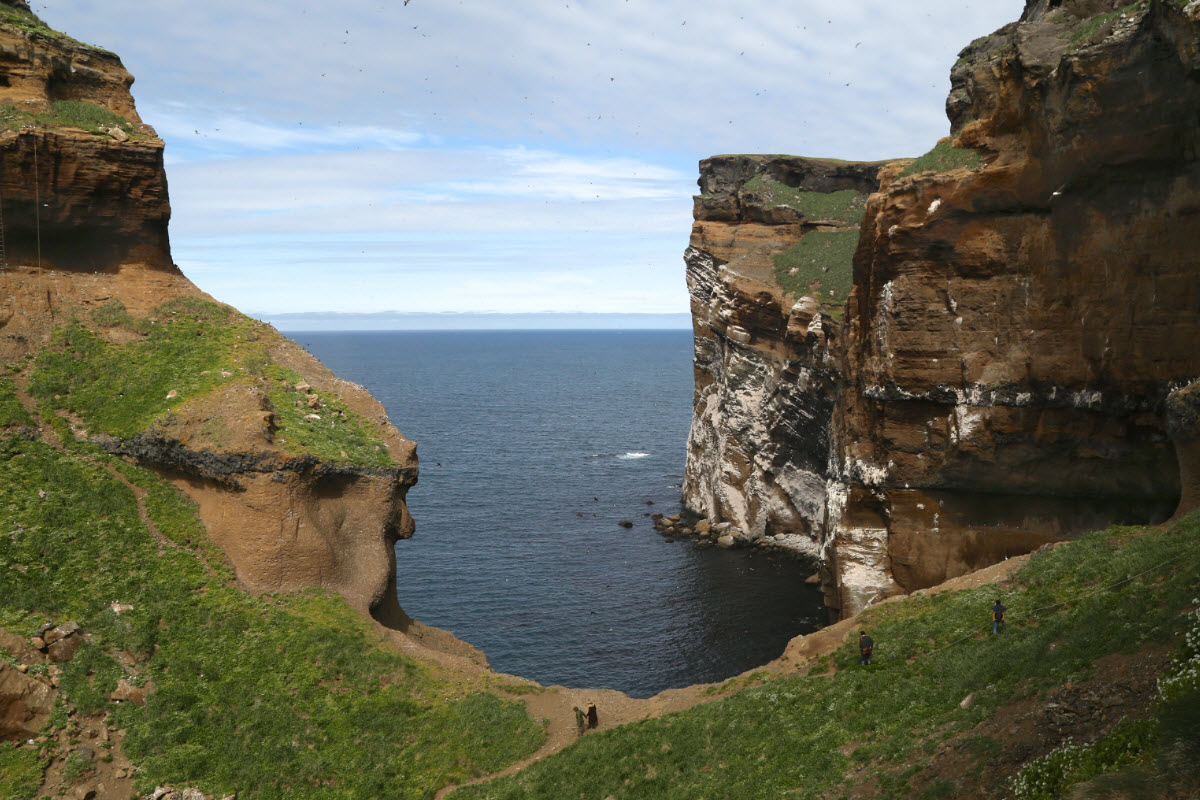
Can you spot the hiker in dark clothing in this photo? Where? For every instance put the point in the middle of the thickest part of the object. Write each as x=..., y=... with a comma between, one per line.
x=865, y=645
x=580, y=720
x=593, y=719
x=998, y=616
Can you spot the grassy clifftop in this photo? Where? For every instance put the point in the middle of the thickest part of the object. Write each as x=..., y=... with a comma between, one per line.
x=272, y=697
x=118, y=375
x=297, y=696
x=934, y=715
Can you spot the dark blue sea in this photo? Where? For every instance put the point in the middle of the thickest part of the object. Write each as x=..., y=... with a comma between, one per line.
x=533, y=446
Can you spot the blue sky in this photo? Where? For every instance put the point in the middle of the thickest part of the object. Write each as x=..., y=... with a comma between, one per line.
x=365, y=156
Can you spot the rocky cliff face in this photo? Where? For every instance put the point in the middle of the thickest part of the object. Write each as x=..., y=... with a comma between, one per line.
x=88, y=274
x=71, y=198
x=1023, y=301
x=759, y=445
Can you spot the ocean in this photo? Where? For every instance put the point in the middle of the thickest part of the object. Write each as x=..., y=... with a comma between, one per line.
x=533, y=447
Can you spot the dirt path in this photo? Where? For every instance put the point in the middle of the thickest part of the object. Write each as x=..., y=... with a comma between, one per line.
x=554, y=705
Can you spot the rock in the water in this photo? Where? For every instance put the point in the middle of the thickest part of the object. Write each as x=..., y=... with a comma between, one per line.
x=625, y=523
x=725, y=541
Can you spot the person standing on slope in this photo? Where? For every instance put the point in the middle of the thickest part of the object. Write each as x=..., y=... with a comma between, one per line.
x=998, y=616
x=580, y=720
x=593, y=719
x=865, y=645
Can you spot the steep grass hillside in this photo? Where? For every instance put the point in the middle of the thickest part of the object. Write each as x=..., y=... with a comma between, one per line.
x=291, y=695
x=946, y=709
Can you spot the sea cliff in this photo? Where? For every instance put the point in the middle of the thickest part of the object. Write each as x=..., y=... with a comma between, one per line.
x=197, y=518
x=88, y=266
x=1023, y=299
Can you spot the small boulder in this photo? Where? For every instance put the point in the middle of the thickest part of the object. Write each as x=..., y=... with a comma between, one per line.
x=625, y=523
x=725, y=541
x=703, y=526
x=128, y=693
x=118, y=135
x=64, y=649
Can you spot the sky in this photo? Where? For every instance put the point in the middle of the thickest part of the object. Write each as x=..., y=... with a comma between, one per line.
x=473, y=156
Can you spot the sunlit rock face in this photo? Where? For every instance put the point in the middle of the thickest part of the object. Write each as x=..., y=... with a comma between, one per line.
x=85, y=214
x=759, y=447
x=74, y=199
x=1014, y=328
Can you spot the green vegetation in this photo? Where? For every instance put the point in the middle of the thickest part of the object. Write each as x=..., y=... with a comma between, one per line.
x=183, y=350
x=113, y=314
x=1049, y=777
x=11, y=412
x=1092, y=25
x=30, y=23
x=70, y=114
x=736, y=683
x=1147, y=755
x=20, y=772
x=845, y=207
x=338, y=435
x=122, y=389
x=287, y=696
x=1113, y=591
x=820, y=264
x=942, y=158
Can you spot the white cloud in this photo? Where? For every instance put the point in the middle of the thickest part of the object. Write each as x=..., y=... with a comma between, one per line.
x=467, y=190
x=573, y=126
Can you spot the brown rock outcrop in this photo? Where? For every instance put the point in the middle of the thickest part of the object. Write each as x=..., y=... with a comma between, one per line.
x=1183, y=423
x=1016, y=323
x=85, y=214
x=25, y=704
x=758, y=449
x=72, y=199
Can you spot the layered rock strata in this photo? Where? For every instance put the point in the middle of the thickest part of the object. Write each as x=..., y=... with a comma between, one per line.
x=1019, y=313
x=73, y=199
x=758, y=450
x=85, y=210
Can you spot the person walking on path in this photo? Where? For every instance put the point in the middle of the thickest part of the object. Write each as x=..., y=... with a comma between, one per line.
x=865, y=645
x=580, y=720
x=998, y=616
x=593, y=719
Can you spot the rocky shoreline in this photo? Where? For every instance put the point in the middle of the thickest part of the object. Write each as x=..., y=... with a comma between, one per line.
x=706, y=534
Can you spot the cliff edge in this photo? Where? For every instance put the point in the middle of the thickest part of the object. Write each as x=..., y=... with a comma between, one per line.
x=299, y=477
x=1024, y=298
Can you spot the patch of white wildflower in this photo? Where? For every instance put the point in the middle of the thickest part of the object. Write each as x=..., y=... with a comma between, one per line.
x=1049, y=777
x=1183, y=674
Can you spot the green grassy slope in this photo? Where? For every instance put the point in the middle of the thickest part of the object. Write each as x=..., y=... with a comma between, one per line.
x=820, y=264
x=280, y=696
x=192, y=348
x=820, y=736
